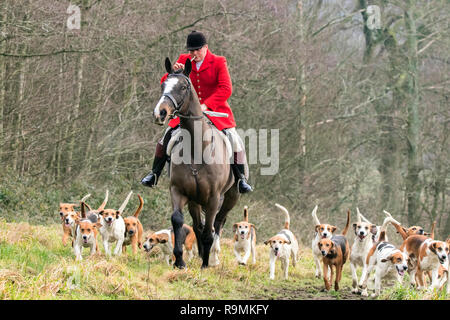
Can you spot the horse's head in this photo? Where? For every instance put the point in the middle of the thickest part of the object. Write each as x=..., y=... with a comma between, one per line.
x=175, y=92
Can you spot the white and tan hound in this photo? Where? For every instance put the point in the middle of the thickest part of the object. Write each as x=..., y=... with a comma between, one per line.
x=283, y=246
x=166, y=238
x=244, y=240
x=113, y=227
x=428, y=255
x=388, y=262
x=365, y=235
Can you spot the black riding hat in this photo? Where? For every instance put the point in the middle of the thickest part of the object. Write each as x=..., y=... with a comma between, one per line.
x=195, y=40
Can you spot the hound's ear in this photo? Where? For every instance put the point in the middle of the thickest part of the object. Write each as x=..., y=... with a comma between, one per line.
x=163, y=238
x=253, y=226
x=187, y=67
x=354, y=226
x=168, y=65
x=101, y=213
x=235, y=227
x=317, y=227
x=287, y=241
x=117, y=213
x=433, y=247
x=386, y=259
x=98, y=225
x=373, y=229
x=333, y=229
x=267, y=241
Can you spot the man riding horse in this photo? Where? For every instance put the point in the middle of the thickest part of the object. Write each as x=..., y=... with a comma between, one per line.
x=212, y=83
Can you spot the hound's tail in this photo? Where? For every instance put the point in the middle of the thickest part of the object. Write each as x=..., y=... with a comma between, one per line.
x=103, y=205
x=314, y=215
x=141, y=204
x=383, y=228
x=246, y=214
x=347, y=225
x=287, y=219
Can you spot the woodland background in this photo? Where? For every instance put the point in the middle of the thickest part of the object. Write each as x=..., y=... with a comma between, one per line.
x=363, y=113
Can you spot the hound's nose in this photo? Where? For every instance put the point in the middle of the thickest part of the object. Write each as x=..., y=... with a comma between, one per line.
x=67, y=220
x=421, y=231
x=242, y=232
x=61, y=213
x=84, y=237
x=405, y=268
x=361, y=233
x=444, y=257
x=131, y=232
x=324, y=253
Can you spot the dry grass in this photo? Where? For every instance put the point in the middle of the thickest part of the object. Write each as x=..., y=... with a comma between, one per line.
x=35, y=265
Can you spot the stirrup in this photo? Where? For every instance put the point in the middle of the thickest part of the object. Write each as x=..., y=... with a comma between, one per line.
x=150, y=180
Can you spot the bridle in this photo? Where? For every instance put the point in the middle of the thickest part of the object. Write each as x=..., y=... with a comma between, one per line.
x=176, y=104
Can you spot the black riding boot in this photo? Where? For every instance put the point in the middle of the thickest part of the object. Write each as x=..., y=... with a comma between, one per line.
x=151, y=179
x=239, y=173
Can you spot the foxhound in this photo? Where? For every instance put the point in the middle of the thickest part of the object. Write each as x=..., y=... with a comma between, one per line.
x=68, y=215
x=428, y=255
x=166, y=239
x=113, y=227
x=85, y=234
x=322, y=231
x=244, y=239
x=134, y=232
x=388, y=262
x=335, y=252
x=283, y=246
x=365, y=234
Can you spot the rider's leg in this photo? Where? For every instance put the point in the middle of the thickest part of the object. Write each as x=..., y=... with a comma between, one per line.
x=239, y=160
x=151, y=179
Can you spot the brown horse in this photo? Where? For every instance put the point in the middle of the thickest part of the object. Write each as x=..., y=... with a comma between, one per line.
x=203, y=185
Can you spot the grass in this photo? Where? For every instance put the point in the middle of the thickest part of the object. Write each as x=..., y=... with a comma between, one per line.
x=35, y=265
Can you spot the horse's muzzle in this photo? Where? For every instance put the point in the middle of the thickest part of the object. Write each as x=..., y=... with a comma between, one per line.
x=159, y=119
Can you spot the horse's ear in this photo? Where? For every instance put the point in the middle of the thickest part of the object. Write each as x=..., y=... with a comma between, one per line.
x=187, y=68
x=168, y=65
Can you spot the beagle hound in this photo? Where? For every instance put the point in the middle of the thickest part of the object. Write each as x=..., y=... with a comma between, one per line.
x=166, y=239
x=85, y=234
x=244, y=239
x=428, y=255
x=365, y=234
x=113, y=227
x=335, y=252
x=283, y=246
x=134, y=232
x=68, y=215
x=388, y=261
x=322, y=231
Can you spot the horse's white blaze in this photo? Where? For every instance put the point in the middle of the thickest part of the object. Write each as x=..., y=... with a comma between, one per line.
x=170, y=84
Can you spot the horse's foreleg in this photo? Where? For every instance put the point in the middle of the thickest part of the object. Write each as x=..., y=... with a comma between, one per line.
x=207, y=236
x=196, y=212
x=177, y=219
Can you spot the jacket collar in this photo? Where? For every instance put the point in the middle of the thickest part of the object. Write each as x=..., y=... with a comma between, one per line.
x=209, y=59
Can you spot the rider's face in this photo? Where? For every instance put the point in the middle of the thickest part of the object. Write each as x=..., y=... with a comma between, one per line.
x=199, y=54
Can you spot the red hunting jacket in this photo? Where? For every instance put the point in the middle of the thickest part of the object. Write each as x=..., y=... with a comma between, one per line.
x=213, y=86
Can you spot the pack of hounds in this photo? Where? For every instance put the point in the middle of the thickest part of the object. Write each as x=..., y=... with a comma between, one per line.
x=420, y=255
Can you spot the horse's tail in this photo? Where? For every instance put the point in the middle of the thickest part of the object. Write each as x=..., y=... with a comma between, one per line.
x=287, y=219
x=246, y=214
